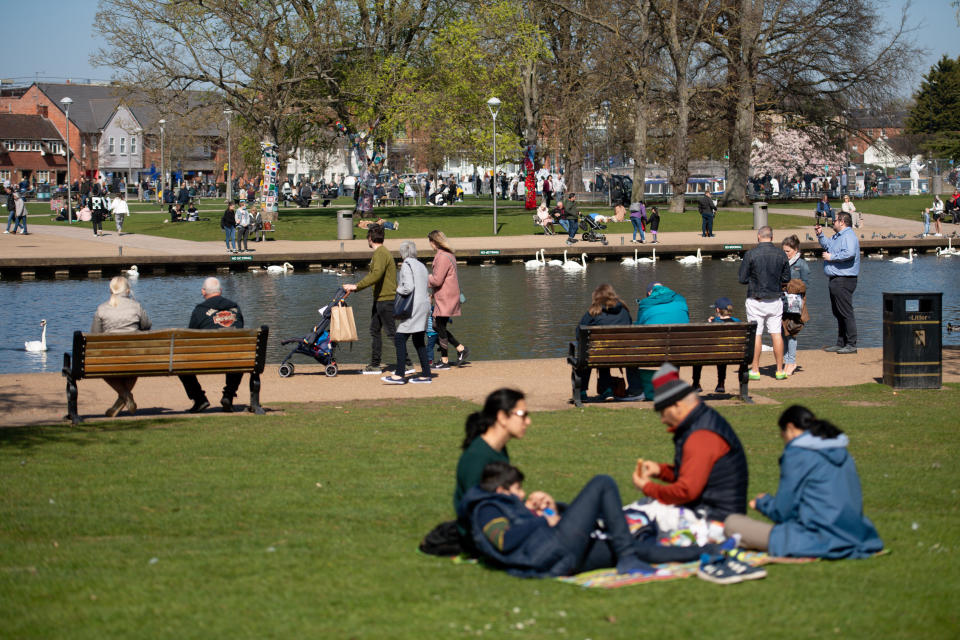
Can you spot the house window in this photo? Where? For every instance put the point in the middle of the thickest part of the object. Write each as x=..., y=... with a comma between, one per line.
x=36, y=145
x=4, y=175
x=43, y=176
x=23, y=145
x=133, y=145
x=111, y=145
x=123, y=145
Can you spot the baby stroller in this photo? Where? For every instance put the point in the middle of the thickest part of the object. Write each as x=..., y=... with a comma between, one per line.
x=315, y=344
x=593, y=230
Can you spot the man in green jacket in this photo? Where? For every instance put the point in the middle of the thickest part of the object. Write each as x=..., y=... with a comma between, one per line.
x=383, y=279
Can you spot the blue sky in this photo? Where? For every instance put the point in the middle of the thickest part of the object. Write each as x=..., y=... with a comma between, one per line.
x=53, y=39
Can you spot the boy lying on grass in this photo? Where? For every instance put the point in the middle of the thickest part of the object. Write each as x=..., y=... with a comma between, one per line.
x=526, y=536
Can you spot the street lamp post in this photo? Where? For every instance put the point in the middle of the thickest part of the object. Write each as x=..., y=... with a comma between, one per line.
x=606, y=161
x=136, y=134
x=229, y=181
x=66, y=101
x=163, y=175
x=494, y=105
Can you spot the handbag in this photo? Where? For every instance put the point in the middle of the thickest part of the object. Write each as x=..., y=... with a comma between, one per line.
x=342, y=325
x=403, y=302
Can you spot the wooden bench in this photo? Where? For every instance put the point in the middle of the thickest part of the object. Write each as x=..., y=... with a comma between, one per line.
x=168, y=352
x=704, y=343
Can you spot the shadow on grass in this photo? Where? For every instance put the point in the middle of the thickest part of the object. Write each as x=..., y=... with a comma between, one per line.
x=34, y=436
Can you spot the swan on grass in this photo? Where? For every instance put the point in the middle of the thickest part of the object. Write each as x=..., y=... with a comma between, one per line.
x=283, y=269
x=697, y=259
x=558, y=263
x=41, y=344
x=649, y=259
x=132, y=272
x=537, y=262
x=630, y=262
x=901, y=259
x=573, y=265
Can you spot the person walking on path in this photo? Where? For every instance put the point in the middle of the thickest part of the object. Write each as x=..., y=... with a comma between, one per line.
x=841, y=265
x=383, y=278
x=446, y=297
x=12, y=211
x=708, y=209
x=99, y=210
x=765, y=270
x=20, y=211
x=215, y=312
x=570, y=219
x=120, y=211
x=412, y=280
x=228, y=222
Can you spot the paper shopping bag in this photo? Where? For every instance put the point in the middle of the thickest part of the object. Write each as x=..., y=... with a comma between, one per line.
x=342, y=326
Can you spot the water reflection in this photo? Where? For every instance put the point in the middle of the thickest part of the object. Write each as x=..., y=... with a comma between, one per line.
x=511, y=312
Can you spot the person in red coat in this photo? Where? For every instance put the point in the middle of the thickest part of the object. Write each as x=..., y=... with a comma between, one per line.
x=446, y=299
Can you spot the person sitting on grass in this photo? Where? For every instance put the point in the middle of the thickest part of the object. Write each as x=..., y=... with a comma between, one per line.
x=818, y=509
x=527, y=537
x=386, y=224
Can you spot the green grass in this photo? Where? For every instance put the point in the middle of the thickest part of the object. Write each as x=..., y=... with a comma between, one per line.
x=305, y=525
x=467, y=219
x=903, y=207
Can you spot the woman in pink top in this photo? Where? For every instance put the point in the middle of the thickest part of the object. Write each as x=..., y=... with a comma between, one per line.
x=446, y=298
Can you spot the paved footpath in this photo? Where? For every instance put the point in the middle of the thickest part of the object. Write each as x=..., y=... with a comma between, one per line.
x=40, y=398
x=64, y=241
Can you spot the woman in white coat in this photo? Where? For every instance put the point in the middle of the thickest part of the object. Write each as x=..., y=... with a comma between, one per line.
x=412, y=279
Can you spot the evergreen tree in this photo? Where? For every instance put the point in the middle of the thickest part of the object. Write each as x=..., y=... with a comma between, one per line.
x=936, y=112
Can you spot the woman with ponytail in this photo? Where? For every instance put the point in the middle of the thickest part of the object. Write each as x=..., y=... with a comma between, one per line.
x=818, y=509
x=504, y=416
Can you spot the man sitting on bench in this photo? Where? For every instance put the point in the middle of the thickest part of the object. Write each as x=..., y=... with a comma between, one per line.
x=824, y=209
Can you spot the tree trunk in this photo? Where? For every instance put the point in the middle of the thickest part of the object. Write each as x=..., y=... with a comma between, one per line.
x=680, y=158
x=639, y=146
x=531, y=103
x=741, y=141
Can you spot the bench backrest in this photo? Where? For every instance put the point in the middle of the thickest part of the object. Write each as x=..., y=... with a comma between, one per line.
x=652, y=345
x=169, y=352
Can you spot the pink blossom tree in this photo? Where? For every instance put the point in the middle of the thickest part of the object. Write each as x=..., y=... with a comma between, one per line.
x=792, y=151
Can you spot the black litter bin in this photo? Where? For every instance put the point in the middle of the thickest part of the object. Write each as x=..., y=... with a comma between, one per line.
x=912, y=340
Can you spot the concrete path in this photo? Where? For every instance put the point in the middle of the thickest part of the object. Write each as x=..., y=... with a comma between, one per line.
x=39, y=398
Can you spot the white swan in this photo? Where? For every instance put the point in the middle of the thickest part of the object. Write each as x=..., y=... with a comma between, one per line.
x=557, y=263
x=733, y=257
x=132, y=272
x=275, y=269
x=949, y=251
x=901, y=259
x=573, y=265
x=630, y=262
x=650, y=259
x=944, y=253
x=38, y=345
x=697, y=259
x=537, y=261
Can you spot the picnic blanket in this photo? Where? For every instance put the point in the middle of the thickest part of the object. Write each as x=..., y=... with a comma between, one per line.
x=610, y=579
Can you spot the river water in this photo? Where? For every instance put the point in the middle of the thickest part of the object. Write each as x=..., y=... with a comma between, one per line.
x=511, y=312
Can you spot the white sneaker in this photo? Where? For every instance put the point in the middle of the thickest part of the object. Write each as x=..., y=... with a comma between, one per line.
x=6, y=232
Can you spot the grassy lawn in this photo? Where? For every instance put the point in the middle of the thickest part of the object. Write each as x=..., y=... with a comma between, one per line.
x=903, y=207
x=467, y=219
x=306, y=525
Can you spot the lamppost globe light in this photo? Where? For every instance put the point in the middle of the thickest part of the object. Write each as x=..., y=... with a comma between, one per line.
x=494, y=105
x=66, y=101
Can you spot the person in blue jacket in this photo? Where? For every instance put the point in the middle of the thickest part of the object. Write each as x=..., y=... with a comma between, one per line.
x=661, y=306
x=818, y=509
x=606, y=308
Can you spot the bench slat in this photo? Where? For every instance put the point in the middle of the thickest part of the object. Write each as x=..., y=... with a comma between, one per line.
x=106, y=370
x=248, y=354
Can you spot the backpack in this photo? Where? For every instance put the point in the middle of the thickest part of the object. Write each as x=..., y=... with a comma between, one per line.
x=443, y=540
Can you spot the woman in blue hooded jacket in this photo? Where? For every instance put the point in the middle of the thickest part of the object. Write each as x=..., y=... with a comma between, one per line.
x=818, y=509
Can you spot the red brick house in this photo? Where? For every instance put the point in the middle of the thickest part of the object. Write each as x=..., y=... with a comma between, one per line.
x=31, y=149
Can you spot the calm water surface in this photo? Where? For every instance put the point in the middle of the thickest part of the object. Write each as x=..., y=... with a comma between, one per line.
x=511, y=312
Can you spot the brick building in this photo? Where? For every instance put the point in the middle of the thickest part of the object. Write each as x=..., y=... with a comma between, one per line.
x=31, y=150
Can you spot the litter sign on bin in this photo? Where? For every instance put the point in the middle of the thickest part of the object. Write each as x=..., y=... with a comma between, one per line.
x=912, y=341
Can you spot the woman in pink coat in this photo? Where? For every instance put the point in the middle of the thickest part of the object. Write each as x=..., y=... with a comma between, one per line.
x=446, y=299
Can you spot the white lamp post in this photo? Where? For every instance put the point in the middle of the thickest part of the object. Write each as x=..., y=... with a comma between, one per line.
x=66, y=101
x=229, y=113
x=163, y=175
x=494, y=105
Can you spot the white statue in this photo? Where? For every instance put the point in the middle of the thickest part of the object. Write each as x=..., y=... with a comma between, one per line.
x=915, y=168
